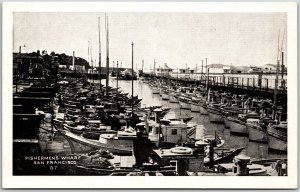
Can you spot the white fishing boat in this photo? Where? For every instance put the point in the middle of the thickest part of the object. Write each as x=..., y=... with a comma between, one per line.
x=202, y=109
x=184, y=105
x=155, y=91
x=257, y=132
x=120, y=143
x=215, y=113
x=277, y=136
x=172, y=99
x=165, y=96
x=195, y=107
x=238, y=123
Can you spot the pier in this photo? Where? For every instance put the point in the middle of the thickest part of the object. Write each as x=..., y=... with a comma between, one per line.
x=250, y=84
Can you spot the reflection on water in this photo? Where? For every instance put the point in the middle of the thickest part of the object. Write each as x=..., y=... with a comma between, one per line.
x=144, y=91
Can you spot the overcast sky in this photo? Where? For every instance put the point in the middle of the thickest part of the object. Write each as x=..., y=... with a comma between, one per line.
x=240, y=39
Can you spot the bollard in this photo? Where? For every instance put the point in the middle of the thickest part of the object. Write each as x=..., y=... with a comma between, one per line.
x=241, y=162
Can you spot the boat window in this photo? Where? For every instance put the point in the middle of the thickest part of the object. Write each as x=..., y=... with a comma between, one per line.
x=174, y=132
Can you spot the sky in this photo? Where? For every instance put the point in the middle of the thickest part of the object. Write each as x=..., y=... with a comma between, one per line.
x=178, y=39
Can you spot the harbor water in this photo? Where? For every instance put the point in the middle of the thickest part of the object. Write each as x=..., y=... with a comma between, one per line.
x=144, y=91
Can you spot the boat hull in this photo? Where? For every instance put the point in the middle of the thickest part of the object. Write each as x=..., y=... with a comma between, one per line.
x=276, y=140
x=215, y=116
x=195, y=108
x=226, y=123
x=237, y=126
x=184, y=105
x=257, y=133
x=165, y=97
x=79, y=144
x=277, y=144
x=172, y=99
x=155, y=91
x=203, y=110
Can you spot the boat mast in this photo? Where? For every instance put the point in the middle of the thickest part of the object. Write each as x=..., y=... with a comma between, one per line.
x=177, y=77
x=207, y=71
x=73, y=63
x=99, y=55
x=201, y=70
x=132, y=79
x=154, y=67
x=185, y=74
x=107, y=55
x=276, y=78
x=92, y=63
x=88, y=53
x=117, y=77
x=282, y=63
x=196, y=74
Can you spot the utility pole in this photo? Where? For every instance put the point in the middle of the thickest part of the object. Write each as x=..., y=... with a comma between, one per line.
x=132, y=79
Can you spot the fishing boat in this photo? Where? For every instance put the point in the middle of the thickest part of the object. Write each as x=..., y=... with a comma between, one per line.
x=257, y=133
x=277, y=136
x=172, y=98
x=238, y=124
x=258, y=129
x=203, y=108
x=155, y=91
x=195, y=107
x=165, y=96
x=215, y=113
x=128, y=75
x=120, y=143
x=184, y=102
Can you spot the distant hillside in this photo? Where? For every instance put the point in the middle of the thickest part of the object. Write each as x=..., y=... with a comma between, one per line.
x=39, y=62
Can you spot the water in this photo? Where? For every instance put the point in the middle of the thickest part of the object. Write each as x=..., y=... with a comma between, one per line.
x=144, y=91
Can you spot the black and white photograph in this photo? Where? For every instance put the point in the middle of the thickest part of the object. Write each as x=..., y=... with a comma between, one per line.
x=194, y=93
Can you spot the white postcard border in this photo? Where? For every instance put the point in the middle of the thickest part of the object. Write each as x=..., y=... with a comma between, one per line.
x=10, y=181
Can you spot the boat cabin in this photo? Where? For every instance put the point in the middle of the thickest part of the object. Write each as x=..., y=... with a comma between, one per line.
x=174, y=133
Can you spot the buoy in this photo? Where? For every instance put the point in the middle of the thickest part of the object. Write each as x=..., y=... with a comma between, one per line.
x=181, y=150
